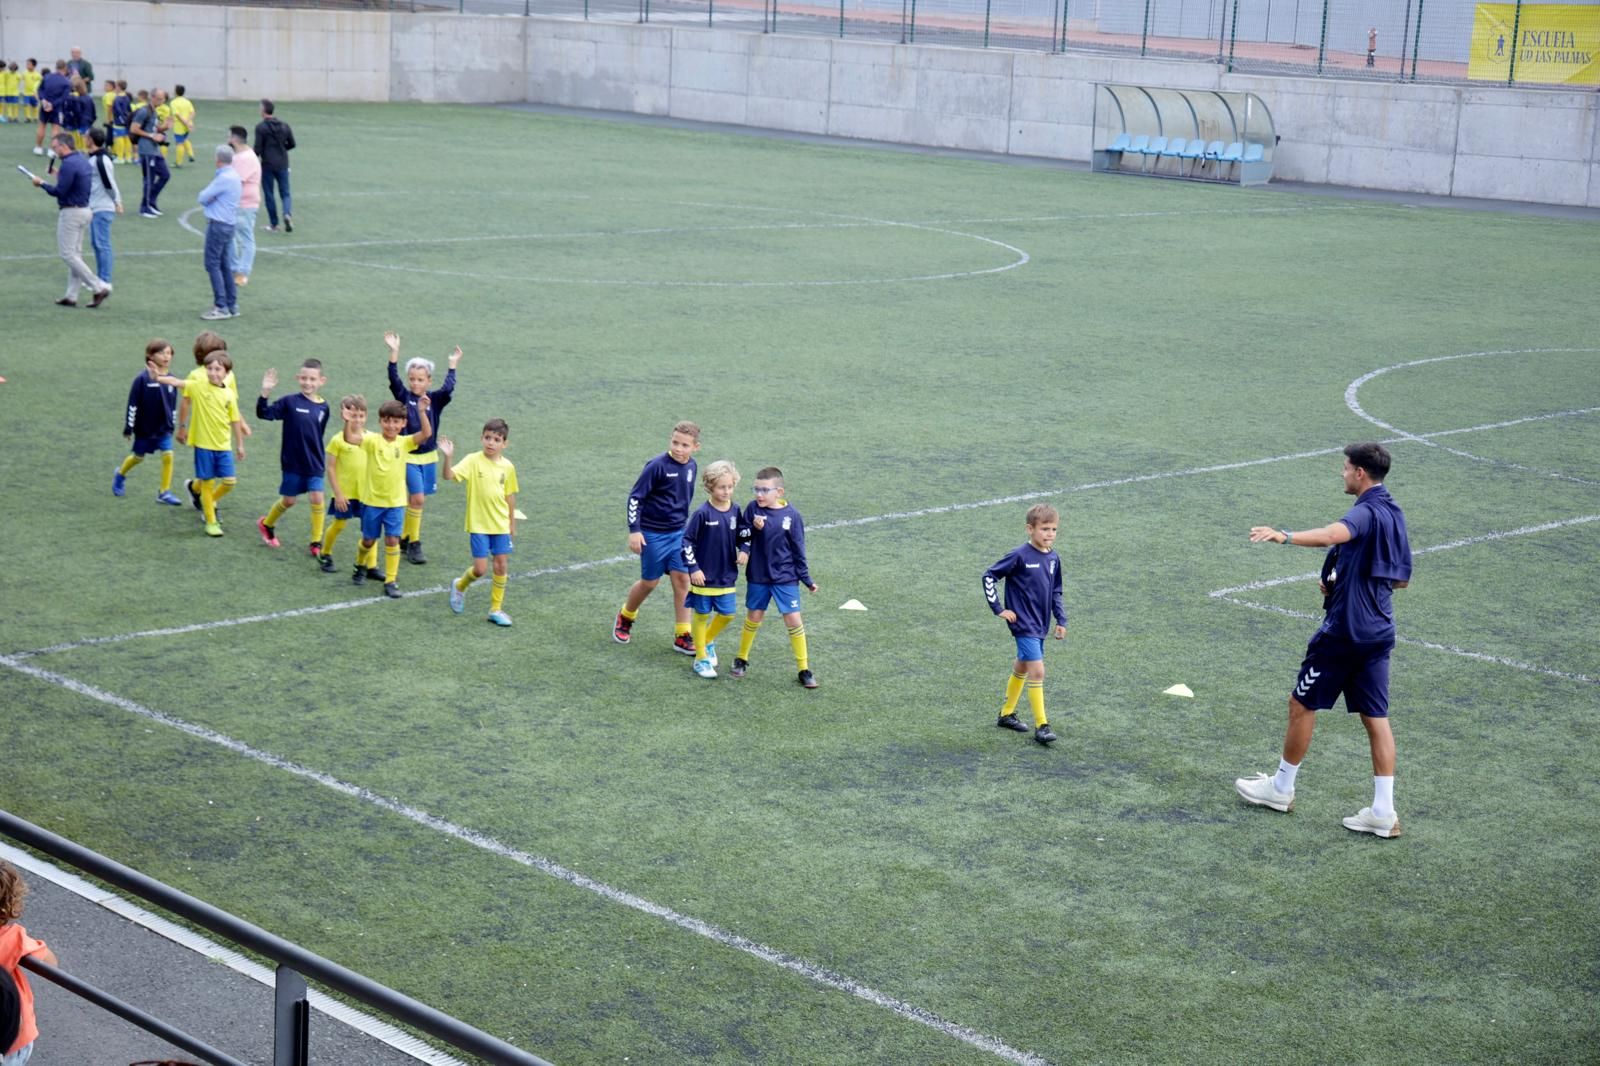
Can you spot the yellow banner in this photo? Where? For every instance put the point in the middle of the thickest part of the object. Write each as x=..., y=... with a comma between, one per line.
x=1550, y=44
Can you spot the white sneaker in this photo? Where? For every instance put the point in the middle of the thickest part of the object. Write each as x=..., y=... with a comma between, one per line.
x=1259, y=791
x=1366, y=822
x=458, y=599
x=215, y=314
x=703, y=668
x=711, y=653
x=38, y=151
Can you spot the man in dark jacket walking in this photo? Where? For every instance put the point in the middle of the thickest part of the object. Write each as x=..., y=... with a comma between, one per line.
x=274, y=142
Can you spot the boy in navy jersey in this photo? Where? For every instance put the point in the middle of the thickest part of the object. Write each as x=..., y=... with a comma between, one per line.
x=422, y=465
x=149, y=422
x=1032, y=574
x=658, y=506
x=303, y=458
x=711, y=553
x=776, y=570
x=1349, y=653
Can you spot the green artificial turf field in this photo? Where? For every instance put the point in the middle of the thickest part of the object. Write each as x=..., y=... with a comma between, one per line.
x=870, y=872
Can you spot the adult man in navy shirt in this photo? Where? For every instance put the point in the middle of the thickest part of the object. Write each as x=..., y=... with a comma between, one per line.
x=1349, y=653
x=71, y=191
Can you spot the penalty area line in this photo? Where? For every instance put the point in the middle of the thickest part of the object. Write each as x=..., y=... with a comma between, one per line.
x=783, y=960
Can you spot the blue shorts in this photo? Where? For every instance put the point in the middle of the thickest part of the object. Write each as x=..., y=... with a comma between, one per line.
x=381, y=522
x=1334, y=666
x=487, y=544
x=31, y=101
x=179, y=138
x=700, y=603
x=119, y=131
x=423, y=478
x=209, y=464
x=661, y=552
x=1030, y=649
x=299, y=484
x=353, y=511
x=757, y=596
x=151, y=445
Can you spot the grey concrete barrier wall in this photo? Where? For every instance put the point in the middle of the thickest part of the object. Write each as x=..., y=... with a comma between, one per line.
x=1512, y=144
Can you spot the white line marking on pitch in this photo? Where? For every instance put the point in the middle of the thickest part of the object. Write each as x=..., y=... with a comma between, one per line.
x=358, y=1020
x=1353, y=402
x=1229, y=595
x=783, y=960
x=842, y=523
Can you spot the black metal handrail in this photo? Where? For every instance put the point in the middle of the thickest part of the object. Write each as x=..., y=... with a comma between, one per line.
x=293, y=961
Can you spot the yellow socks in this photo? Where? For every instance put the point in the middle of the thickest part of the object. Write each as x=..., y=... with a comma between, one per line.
x=797, y=640
x=629, y=615
x=1013, y=693
x=208, y=501
x=747, y=639
x=718, y=624
x=130, y=462
x=369, y=556
x=698, y=625
x=319, y=517
x=680, y=628
x=411, y=529
x=465, y=580
x=497, y=592
x=220, y=488
x=166, y=471
x=1036, y=701
x=275, y=512
x=391, y=562
x=334, y=529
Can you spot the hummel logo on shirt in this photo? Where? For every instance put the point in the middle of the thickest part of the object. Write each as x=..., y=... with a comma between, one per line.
x=1031, y=566
x=672, y=475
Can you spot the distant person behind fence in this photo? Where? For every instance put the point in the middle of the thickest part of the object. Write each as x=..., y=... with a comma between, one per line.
x=274, y=142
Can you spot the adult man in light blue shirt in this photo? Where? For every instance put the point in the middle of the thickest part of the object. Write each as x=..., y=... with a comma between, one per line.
x=221, y=202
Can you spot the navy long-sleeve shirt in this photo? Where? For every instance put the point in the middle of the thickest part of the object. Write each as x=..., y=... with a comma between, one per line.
x=711, y=545
x=304, y=422
x=55, y=88
x=150, y=408
x=73, y=181
x=659, y=500
x=778, y=549
x=439, y=398
x=1033, y=590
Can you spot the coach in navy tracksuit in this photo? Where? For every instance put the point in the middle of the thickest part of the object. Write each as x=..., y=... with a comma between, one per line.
x=54, y=89
x=71, y=190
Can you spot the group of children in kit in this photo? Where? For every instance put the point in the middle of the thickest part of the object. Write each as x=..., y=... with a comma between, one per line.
x=701, y=555
x=378, y=480
x=19, y=102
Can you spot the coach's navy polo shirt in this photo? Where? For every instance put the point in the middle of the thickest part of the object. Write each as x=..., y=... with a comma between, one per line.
x=1377, y=555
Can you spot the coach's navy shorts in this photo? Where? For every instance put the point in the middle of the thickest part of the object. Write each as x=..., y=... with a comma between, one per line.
x=1334, y=666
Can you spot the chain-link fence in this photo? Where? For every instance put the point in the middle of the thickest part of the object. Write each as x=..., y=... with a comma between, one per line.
x=1513, y=43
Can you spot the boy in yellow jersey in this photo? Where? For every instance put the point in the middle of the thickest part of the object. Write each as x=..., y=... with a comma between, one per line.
x=491, y=483
x=108, y=99
x=164, y=125
x=182, y=125
x=31, y=77
x=347, y=469
x=10, y=88
x=383, y=490
x=215, y=424
x=205, y=342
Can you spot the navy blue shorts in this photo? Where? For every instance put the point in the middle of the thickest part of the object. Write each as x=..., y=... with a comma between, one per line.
x=151, y=445
x=1334, y=666
x=299, y=484
x=353, y=511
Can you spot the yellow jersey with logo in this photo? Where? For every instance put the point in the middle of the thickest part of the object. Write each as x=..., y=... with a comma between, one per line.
x=348, y=463
x=212, y=412
x=385, y=481
x=489, y=482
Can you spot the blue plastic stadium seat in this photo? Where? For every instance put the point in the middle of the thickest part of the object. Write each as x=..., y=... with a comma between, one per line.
x=1253, y=153
x=1234, y=153
x=1139, y=144
x=1194, y=152
x=1120, y=144
x=1155, y=148
x=1213, y=151
x=1176, y=146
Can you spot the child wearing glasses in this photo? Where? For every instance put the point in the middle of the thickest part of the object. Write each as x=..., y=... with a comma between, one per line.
x=776, y=570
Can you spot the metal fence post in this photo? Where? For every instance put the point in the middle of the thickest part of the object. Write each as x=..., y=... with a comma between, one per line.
x=1064, y=25
x=1144, y=31
x=1516, y=25
x=291, y=1040
x=1322, y=43
x=1416, y=46
x=988, y=5
x=1233, y=35
x=913, y=37
x=841, y=18
x=710, y=4
x=1405, y=32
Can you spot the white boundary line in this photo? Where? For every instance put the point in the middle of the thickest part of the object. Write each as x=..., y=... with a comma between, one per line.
x=358, y=1020
x=811, y=972
x=1228, y=595
x=843, y=523
x=1352, y=401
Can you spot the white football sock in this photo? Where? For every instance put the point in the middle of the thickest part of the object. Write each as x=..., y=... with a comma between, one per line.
x=1383, y=796
x=1283, y=780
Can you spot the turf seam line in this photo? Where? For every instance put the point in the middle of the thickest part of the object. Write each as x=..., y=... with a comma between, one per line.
x=212, y=951
x=783, y=960
x=844, y=523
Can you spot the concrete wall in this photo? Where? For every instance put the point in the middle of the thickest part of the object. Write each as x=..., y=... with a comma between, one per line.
x=1449, y=140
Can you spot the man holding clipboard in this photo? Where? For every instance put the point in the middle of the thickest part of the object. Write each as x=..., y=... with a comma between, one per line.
x=71, y=191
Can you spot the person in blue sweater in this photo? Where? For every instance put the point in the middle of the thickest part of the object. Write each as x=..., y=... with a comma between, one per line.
x=148, y=422
x=305, y=418
x=71, y=191
x=712, y=555
x=1032, y=576
x=658, y=506
x=776, y=546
